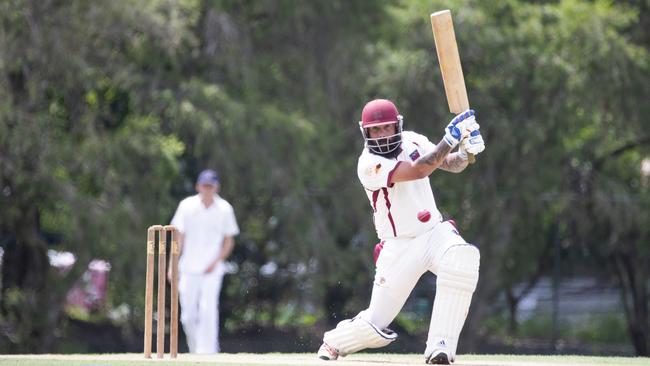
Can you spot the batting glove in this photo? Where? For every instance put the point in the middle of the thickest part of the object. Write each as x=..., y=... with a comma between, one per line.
x=458, y=128
x=472, y=144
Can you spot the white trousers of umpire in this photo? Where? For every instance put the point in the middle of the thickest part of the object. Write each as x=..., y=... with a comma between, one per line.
x=199, y=300
x=400, y=265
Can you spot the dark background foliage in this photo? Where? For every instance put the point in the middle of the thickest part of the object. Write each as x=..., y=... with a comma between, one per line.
x=108, y=110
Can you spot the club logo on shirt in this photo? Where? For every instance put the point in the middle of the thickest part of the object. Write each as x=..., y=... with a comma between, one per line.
x=373, y=169
x=414, y=155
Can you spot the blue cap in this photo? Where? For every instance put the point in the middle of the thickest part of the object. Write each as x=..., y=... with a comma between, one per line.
x=208, y=176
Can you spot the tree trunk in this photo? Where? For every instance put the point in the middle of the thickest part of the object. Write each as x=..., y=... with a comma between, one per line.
x=513, y=303
x=24, y=302
x=635, y=301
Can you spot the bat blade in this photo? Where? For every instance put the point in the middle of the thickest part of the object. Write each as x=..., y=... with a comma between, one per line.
x=449, y=60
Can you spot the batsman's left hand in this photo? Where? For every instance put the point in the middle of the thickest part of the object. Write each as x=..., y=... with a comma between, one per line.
x=459, y=128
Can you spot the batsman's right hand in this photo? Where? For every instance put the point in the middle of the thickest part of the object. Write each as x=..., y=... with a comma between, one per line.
x=473, y=144
x=460, y=127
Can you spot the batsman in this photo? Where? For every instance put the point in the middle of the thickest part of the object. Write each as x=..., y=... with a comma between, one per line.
x=394, y=169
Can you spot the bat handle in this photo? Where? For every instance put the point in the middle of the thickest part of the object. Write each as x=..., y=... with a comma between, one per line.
x=471, y=158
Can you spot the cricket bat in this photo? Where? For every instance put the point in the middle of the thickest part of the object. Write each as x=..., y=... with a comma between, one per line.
x=450, y=67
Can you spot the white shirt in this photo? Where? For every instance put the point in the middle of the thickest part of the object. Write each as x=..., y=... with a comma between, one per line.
x=204, y=229
x=396, y=206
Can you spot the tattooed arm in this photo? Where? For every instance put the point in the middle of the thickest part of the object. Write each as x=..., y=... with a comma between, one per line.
x=425, y=165
x=455, y=163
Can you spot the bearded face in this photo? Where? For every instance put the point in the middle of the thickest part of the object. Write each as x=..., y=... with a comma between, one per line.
x=384, y=139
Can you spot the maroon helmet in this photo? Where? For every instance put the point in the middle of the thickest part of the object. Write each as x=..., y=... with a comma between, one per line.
x=376, y=113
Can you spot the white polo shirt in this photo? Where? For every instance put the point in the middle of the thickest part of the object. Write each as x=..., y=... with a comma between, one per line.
x=204, y=229
x=396, y=206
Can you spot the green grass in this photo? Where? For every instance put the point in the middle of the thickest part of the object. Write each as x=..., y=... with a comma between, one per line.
x=304, y=359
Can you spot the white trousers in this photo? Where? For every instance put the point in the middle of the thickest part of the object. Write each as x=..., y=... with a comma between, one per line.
x=400, y=265
x=199, y=300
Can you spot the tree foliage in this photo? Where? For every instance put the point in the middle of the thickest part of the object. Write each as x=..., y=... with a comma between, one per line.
x=109, y=110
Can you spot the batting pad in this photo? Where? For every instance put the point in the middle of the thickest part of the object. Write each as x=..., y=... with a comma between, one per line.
x=354, y=335
x=457, y=278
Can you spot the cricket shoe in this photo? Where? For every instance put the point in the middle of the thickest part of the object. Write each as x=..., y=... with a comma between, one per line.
x=438, y=357
x=440, y=354
x=327, y=353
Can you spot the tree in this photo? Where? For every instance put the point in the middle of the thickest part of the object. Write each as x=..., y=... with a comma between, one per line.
x=78, y=156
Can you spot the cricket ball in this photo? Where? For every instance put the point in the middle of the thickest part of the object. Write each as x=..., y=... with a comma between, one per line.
x=424, y=215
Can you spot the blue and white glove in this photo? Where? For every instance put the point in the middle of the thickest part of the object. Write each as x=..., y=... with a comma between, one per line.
x=472, y=144
x=459, y=127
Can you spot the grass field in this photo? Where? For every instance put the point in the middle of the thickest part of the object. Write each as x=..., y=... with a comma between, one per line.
x=294, y=359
